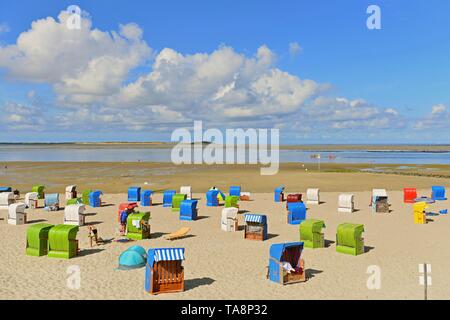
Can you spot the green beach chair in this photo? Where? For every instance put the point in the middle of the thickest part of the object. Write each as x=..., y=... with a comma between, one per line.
x=349, y=238
x=85, y=196
x=39, y=189
x=176, y=201
x=231, y=202
x=37, y=239
x=311, y=233
x=137, y=226
x=62, y=242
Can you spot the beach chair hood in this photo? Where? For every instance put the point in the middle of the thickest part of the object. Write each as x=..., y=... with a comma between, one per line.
x=164, y=254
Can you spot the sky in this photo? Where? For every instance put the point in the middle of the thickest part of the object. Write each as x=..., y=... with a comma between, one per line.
x=137, y=70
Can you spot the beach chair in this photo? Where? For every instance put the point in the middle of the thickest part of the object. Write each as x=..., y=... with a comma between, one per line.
x=256, y=227
x=95, y=199
x=31, y=200
x=235, y=191
x=409, y=195
x=16, y=214
x=187, y=190
x=438, y=193
x=349, y=238
x=74, y=214
x=51, y=201
x=296, y=213
x=311, y=233
x=37, y=239
x=188, y=210
x=6, y=199
x=138, y=227
x=212, y=199
x=420, y=216
x=229, y=221
x=285, y=263
x=346, y=203
x=182, y=232
x=312, y=196
x=164, y=272
x=146, y=198
x=71, y=192
x=176, y=201
x=134, y=194
x=279, y=194
x=167, y=198
x=62, y=242
x=378, y=193
x=40, y=191
x=85, y=196
x=380, y=204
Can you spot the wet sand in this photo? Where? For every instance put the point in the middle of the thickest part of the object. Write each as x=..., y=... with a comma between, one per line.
x=116, y=177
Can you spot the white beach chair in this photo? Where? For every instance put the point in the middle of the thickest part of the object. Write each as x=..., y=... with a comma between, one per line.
x=187, y=191
x=71, y=192
x=229, y=220
x=30, y=199
x=16, y=214
x=6, y=198
x=378, y=193
x=74, y=214
x=312, y=196
x=346, y=203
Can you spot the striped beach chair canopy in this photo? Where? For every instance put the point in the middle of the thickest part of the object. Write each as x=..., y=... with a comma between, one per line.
x=256, y=218
x=164, y=254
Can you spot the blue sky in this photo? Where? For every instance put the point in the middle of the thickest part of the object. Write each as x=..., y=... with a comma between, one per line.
x=378, y=86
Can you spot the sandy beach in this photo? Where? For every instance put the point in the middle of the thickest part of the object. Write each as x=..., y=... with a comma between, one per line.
x=222, y=265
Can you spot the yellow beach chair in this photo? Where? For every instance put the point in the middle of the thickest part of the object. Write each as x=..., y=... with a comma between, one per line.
x=419, y=213
x=182, y=232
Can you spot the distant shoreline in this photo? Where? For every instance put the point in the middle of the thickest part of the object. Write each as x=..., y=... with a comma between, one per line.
x=420, y=148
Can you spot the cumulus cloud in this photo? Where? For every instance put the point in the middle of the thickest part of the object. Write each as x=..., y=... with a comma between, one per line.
x=16, y=116
x=224, y=83
x=439, y=117
x=82, y=65
x=342, y=113
x=89, y=71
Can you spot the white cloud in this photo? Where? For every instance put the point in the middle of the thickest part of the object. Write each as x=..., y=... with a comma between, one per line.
x=89, y=70
x=294, y=48
x=82, y=65
x=15, y=116
x=439, y=117
x=342, y=113
x=223, y=82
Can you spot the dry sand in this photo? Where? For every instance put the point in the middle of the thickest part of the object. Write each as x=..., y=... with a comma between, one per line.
x=222, y=265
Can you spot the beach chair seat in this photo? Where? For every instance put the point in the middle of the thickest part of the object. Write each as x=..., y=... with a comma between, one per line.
x=182, y=232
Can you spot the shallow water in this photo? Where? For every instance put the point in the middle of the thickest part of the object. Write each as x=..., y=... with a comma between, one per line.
x=131, y=154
